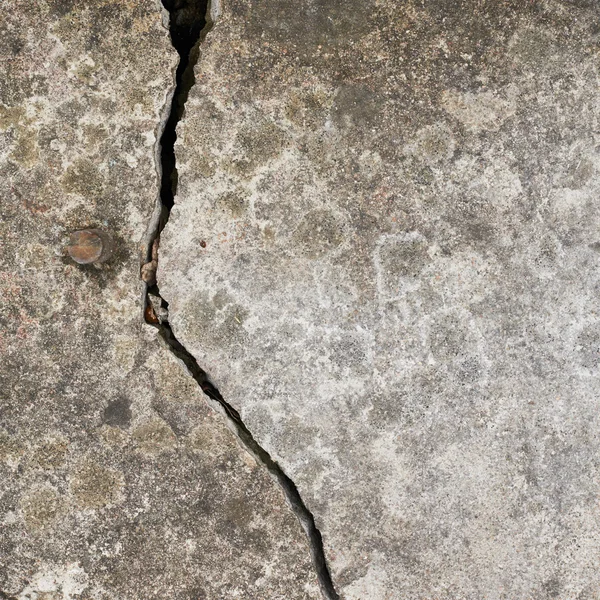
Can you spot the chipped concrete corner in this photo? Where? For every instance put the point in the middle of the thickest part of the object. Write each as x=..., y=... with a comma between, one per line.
x=367, y=234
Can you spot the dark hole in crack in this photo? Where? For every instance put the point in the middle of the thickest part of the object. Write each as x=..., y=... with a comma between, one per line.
x=186, y=23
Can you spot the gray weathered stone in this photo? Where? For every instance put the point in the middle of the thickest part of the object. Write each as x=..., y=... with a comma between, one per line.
x=384, y=251
x=116, y=481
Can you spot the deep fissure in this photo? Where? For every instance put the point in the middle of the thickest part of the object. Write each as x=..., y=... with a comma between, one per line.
x=189, y=23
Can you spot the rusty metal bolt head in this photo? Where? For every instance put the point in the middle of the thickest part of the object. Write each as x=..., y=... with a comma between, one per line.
x=89, y=246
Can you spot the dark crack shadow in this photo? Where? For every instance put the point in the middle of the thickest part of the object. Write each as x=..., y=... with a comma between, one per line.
x=189, y=23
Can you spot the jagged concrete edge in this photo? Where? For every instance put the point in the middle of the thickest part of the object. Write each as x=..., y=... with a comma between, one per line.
x=152, y=228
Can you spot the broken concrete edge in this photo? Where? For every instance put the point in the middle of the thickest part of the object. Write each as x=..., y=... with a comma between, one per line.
x=161, y=211
x=214, y=12
x=153, y=225
x=235, y=424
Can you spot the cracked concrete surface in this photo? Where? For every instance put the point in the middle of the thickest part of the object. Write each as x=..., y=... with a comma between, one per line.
x=116, y=480
x=384, y=253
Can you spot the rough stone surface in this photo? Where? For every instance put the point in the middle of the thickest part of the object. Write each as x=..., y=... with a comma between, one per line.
x=384, y=251
x=116, y=481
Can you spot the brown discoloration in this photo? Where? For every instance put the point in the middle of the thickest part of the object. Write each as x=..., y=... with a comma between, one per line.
x=41, y=508
x=95, y=486
x=153, y=437
x=150, y=316
x=148, y=271
x=11, y=448
x=51, y=454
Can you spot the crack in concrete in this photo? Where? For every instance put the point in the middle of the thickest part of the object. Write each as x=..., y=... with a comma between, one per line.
x=237, y=426
x=189, y=22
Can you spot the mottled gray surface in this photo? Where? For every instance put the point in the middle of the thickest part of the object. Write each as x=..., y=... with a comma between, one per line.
x=116, y=481
x=399, y=284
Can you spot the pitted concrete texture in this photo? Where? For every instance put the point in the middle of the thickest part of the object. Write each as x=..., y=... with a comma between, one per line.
x=384, y=251
x=116, y=481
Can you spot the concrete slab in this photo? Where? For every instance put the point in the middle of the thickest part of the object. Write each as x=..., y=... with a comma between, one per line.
x=384, y=251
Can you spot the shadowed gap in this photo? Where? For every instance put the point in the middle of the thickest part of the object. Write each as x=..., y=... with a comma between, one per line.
x=187, y=21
